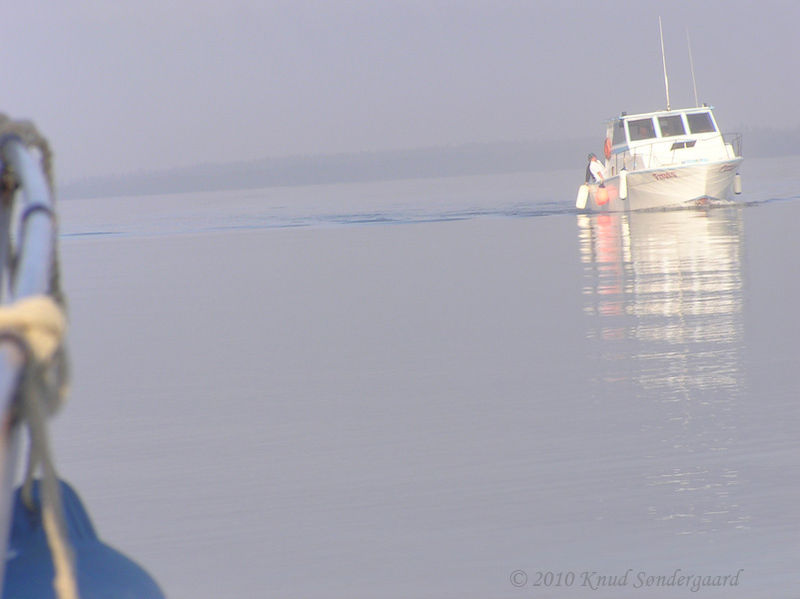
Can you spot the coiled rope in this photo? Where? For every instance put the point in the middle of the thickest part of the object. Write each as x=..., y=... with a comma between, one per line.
x=39, y=320
x=38, y=324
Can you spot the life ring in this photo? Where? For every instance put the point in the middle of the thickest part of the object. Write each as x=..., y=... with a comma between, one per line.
x=607, y=148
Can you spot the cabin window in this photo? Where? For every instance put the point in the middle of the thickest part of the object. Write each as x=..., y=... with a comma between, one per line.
x=619, y=133
x=700, y=122
x=641, y=129
x=671, y=125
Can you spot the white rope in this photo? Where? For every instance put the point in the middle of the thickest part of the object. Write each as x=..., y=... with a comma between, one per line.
x=35, y=392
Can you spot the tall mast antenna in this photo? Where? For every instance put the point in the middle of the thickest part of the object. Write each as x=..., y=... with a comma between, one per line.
x=663, y=60
x=691, y=64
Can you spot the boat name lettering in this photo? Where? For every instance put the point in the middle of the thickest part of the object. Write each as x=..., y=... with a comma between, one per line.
x=665, y=175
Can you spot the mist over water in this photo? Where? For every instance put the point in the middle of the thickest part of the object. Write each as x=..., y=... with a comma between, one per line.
x=277, y=394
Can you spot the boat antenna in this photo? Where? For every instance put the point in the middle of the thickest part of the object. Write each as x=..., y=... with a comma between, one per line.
x=663, y=59
x=691, y=64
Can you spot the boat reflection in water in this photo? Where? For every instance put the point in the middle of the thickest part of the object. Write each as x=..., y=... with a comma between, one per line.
x=663, y=305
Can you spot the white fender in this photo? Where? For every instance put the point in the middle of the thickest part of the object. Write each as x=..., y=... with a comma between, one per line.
x=623, y=184
x=737, y=184
x=583, y=196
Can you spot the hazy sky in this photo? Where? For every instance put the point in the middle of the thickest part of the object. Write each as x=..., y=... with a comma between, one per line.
x=124, y=86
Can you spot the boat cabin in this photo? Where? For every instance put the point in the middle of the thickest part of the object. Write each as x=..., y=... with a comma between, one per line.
x=669, y=138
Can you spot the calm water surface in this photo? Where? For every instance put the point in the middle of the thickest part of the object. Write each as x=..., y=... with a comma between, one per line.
x=277, y=394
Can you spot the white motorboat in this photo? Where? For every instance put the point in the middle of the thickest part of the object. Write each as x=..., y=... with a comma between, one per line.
x=664, y=159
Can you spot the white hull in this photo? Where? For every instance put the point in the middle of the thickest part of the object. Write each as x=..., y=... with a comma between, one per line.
x=677, y=186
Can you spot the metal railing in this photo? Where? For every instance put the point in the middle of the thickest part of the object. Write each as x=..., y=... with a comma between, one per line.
x=27, y=268
x=652, y=153
x=735, y=141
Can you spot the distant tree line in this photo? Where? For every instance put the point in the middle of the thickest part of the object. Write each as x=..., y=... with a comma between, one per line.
x=444, y=161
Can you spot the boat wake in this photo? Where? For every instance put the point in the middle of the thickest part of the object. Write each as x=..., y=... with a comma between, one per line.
x=224, y=216
x=225, y=219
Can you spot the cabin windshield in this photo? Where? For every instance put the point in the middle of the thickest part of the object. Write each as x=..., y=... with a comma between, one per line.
x=700, y=122
x=641, y=129
x=671, y=125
